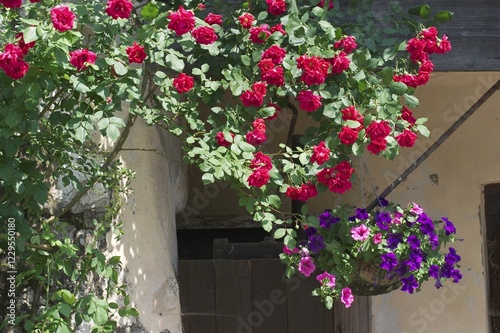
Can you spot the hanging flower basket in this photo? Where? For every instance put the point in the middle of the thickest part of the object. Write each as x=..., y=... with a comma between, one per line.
x=352, y=252
x=370, y=280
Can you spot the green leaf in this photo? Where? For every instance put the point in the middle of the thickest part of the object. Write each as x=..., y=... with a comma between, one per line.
x=208, y=178
x=415, y=10
x=411, y=101
x=423, y=130
x=63, y=328
x=112, y=132
x=149, y=12
x=175, y=63
x=30, y=35
x=279, y=233
x=425, y=11
x=443, y=16
x=119, y=68
x=399, y=88
x=246, y=147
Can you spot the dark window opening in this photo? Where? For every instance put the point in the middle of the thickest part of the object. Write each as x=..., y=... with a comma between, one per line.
x=492, y=219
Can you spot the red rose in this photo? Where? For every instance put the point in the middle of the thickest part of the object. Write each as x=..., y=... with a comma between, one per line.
x=302, y=193
x=266, y=65
x=275, y=76
x=378, y=130
x=444, y=45
x=325, y=175
x=339, y=63
x=80, y=58
x=339, y=185
x=314, y=69
x=426, y=67
x=377, y=146
x=407, y=115
x=279, y=28
x=345, y=169
x=429, y=33
x=201, y=6
x=221, y=141
x=406, y=139
x=416, y=46
x=422, y=78
x=33, y=1
x=181, y=21
x=275, y=53
x=276, y=7
x=259, y=124
x=246, y=20
x=256, y=137
x=321, y=154
x=260, y=88
x=251, y=98
x=119, y=8
x=24, y=46
x=183, y=83
x=259, y=177
x=348, y=44
x=136, y=53
x=350, y=113
x=408, y=79
x=348, y=135
x=261, y=160
x=12, y=63
x=259, y=35
x=62, y=18
x=11, y=3
x=204, y=35
x=322, y=4
x=213, y=19
x=308, y=101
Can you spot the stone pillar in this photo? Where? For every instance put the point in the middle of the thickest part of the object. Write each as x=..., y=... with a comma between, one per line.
x=148, y=247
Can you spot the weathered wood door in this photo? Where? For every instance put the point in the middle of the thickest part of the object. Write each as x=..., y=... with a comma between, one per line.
x=254, y=296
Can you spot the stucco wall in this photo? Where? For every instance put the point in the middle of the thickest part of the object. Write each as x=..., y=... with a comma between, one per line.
x=448, y=183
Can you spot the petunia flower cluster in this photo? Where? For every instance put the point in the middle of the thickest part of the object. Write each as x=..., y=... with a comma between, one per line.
x=405, y=245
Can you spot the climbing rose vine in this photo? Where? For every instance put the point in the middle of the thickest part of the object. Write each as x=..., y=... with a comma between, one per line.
x=216, y=76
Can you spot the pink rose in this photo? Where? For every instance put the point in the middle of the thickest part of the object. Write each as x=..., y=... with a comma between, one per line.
x=183, y=83
x=213, y=19
x=119, y=8
x=308, y=101
x=406, y=139
x=80, y=58
x=321, y=154
x=181, y=21
x=259, y=177
x=246, y=20
x=62, y=18
x=306, y=266
x=204, y=35
x=11, y=3
x=136, y=53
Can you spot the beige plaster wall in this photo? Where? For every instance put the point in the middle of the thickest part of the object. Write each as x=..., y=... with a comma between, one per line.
x=148, y=247
x=448, y=183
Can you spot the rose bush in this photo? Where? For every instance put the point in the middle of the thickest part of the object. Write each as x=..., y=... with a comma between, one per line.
x=67, y=72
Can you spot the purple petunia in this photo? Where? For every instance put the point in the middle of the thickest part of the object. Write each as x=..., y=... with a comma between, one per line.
x=361, y=214
x=449, y=227
x=434, y=271
x=389, y=261
x=326, y=219
x=455, y=274
x=409, y=284
x=382, y=202
x=393, y=240
x=383, y=220
x=426, y=224
x=316, y=243
x=452, y=257
x=414, y=242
